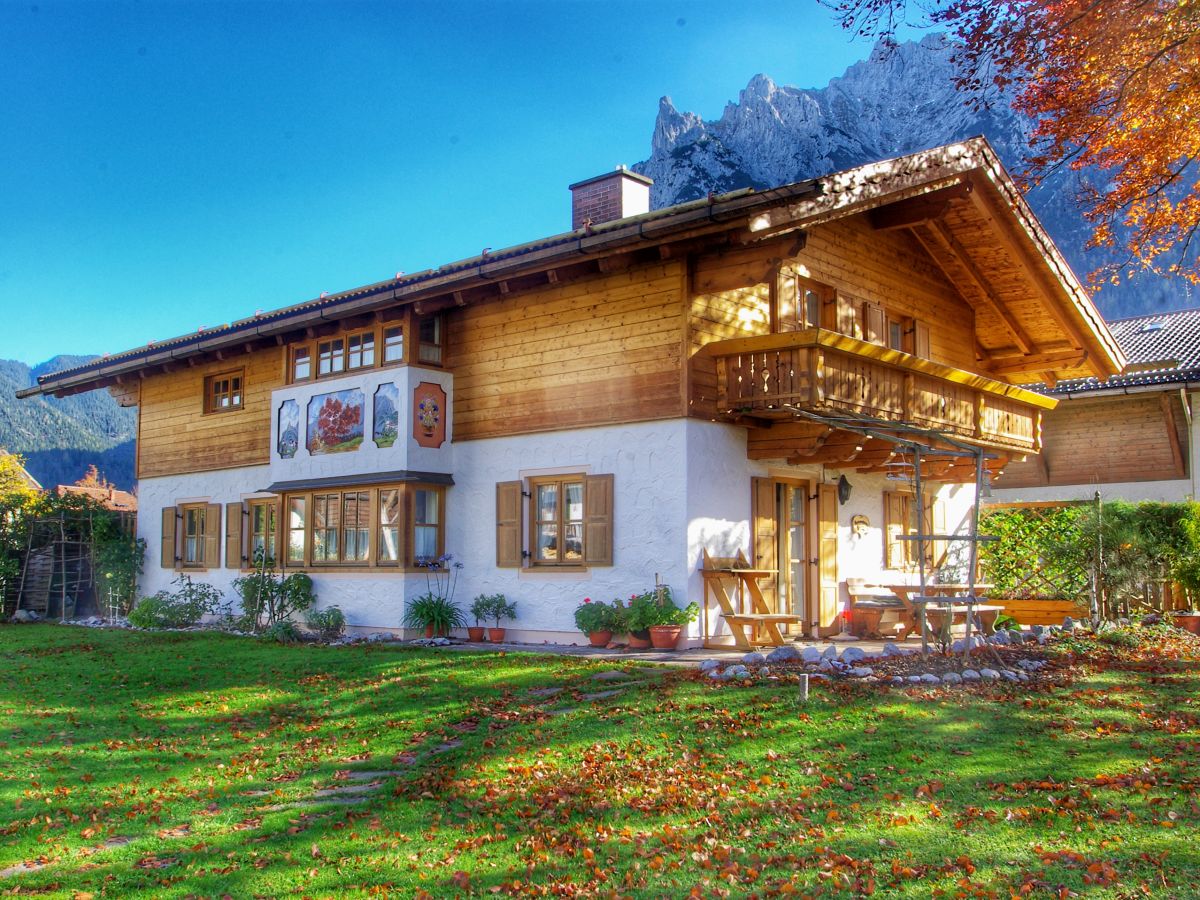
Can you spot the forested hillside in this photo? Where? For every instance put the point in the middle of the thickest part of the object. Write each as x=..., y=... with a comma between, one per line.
x=61, y=438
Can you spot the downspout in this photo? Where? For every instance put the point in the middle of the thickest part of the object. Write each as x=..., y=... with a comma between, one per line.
x=1191, y=460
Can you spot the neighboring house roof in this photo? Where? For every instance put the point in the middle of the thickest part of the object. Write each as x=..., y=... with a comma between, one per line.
x=1046, y=298
x=1162, y=349
x=108, y=497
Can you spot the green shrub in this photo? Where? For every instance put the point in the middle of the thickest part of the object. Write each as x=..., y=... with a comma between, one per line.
x=283, y=633
x=329, y=624
x=184, y=607
x=268, y=599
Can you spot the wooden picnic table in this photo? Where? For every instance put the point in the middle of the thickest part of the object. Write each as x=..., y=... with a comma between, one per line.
x=722, y=573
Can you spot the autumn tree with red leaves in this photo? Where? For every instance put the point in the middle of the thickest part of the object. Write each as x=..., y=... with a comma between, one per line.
x=337, y=421
x=1110, y=84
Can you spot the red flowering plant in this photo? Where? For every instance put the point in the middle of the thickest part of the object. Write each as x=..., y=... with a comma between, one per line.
x=592, y=616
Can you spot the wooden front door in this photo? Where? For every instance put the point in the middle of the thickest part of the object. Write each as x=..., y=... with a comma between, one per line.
x=783, y=541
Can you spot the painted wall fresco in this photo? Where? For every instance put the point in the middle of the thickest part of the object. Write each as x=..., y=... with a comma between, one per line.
x=289, y=429
x=335, y=422
x=429, y=415
x=386, y=420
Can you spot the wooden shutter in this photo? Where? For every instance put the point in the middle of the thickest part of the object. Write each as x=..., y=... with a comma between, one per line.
x=921, y=340
x=894, y=524
x=827, y=551
x=940, y=548
x=170, y=547
x=598, y=520
x=235, y=523
x=508, y=525
x=847, y=317
x=874, y=324
x=926, y=528
x=788, y=313
x=764, y=538
x=212, y=536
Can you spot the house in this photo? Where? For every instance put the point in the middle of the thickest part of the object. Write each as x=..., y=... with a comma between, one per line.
x=584, y=414
x=1132, y=436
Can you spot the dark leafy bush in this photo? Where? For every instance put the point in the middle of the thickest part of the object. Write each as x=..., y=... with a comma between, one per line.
x=283, y=633
x=179, y=609
x=328, y=624
x=268, y=599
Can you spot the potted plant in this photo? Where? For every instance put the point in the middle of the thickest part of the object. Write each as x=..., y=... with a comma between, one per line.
x=599, y=620
x=501, y=609
x=481, y=609
x=436, y=615
x=666, y=620
x=641, y=615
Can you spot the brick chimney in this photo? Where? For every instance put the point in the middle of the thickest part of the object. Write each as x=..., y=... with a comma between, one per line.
x=613, y=195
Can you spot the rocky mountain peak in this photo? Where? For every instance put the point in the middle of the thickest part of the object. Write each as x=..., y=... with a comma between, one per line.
x=898, y=100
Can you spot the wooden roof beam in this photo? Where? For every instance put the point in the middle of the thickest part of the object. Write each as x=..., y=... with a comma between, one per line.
x=1037, y=363
x=917, y=210
x=949, y=243
x=1005, y=232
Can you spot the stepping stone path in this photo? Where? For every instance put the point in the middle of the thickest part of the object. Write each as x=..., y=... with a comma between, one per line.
x=612, y=675
x=34, y=865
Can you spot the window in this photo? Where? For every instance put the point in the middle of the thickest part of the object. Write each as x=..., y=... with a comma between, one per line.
x=363, y=347
x=301, y=364
x=429, y=336
x=896, y=335
x=262, y=531
x=223, y=392
x=365, y=527
x=191, y=536
x=360, y=352
x=331, y=357
x=799, y=302
x=568, y=522
x=558, y=522
x=393, y=344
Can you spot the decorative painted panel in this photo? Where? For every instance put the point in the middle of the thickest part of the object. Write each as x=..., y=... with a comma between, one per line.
x=386, y=421
x=335, y=422
x=429, y=415
x=289, y=429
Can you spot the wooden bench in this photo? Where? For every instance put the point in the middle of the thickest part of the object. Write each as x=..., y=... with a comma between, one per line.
x=723, y=572
x=869, y=602
x=935, y=615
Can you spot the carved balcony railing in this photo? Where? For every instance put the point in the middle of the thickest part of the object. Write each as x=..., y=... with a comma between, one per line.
x=771, y=376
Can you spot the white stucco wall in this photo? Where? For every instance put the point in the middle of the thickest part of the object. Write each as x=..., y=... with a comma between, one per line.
x=679, y=486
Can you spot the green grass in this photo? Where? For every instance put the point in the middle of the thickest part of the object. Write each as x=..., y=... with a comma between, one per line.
x=180, y=742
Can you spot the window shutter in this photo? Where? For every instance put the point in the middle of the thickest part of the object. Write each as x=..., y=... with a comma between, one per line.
x=235, y=521
x=508, y=525
x=827, y=553
x=764, y=537
x=927, y=528
x=893, y=527
x=169, y=551
x=212, y=536
x=939, y=527
x=847, y=319
x=921, y=340
x=598, y=520
x=874, y=324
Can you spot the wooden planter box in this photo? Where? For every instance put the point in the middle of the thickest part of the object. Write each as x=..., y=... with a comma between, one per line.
x=1040, y=612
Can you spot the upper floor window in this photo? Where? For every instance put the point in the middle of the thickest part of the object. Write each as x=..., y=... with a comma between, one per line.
x=367, y=347
x=223, y=392
x=800, y=302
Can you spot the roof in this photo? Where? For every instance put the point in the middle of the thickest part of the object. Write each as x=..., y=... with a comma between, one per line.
x=108, y=497
x=1030, y=273
x=1161, y=348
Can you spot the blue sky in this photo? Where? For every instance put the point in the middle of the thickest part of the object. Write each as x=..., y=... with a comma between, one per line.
x=168, y=165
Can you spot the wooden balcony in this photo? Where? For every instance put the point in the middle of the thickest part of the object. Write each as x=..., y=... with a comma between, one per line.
x=764, y=379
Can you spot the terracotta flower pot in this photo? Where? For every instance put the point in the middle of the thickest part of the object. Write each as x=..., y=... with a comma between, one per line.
x=429, y=632
x=1188, y=622
x=475, y=633
x=599, y=638
x=665, y=637
x=639, y=640
x=496, y=635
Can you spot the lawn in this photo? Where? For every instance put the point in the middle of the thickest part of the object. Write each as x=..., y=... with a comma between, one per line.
x=196, y=764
